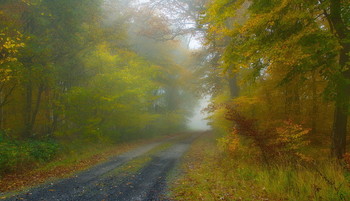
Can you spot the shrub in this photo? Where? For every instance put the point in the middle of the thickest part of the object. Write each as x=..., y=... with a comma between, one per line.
x=276, y=144
x=43, y=150
x=16, y=154
x=229, y=143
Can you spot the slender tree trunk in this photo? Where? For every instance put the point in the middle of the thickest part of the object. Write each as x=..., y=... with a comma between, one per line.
x=1, y=112
x=6, y=96
x=30, y=113
x=28, y=110
x=343, y=88
x=37, y=106
x=53, y=116
x=4, y=99
x=314, y=104
x=47, y=95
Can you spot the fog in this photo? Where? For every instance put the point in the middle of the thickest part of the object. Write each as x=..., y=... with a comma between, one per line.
x=198, y=120
x=100, y=71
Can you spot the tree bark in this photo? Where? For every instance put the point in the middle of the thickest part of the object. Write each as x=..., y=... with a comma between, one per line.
x=314, y=104
x=28, y=110
x=30, y=113
x=339, y=131
x=37, y=106
x=343, y=88
x=4, y=99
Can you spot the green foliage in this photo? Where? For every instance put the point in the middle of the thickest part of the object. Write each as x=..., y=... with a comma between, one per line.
x=69, y=73
x=116, y=97
x=17, y=155
x=43, y=151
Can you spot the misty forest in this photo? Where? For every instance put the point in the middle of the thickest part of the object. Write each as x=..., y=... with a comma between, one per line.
x=174, y=100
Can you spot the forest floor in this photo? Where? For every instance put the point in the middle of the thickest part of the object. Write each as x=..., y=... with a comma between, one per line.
x=208, y=172
x=139, y=174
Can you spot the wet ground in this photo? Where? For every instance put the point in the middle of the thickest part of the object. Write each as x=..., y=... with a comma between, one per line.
x=149, y=183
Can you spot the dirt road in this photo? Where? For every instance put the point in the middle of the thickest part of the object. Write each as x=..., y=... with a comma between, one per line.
x=148, y=183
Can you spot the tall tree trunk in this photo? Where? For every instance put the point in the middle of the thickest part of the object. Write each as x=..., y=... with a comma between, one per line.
x=28, y=110
x=30, y=113
x=1, y=112
x=53, y=113
x=54, y=124
x=343, y=88
x=4, y=99
x=37, y=106
x=314, y=103
x=339, y=131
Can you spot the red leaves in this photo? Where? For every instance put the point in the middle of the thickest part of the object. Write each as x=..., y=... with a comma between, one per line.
x=276, y=144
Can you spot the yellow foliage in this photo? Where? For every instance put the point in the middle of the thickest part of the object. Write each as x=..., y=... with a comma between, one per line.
x=229, y=143
x=9, y=46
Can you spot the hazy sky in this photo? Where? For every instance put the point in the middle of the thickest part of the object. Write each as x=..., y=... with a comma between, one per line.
x=197, y=122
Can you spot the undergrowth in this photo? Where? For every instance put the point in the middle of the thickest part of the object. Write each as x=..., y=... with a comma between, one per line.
x=16, y=155
x=213, y=174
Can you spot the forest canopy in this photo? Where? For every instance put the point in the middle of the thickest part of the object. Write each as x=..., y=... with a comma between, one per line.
x=86, y=71
x=274, y=74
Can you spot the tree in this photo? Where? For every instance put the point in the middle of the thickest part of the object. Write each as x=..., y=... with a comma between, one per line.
x=339, y=22
x=57, y=54
x=292, y=36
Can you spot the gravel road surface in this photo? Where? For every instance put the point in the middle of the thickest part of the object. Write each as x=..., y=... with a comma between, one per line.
x=149, y=183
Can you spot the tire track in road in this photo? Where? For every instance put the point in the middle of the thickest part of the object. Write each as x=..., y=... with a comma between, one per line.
x=93, y=184
x=149, y=183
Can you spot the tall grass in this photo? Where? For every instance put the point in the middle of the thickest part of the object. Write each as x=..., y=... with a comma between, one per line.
x=211, y=174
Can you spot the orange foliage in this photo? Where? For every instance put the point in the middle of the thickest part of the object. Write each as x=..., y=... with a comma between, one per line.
x=281, y=144
x=229, y=143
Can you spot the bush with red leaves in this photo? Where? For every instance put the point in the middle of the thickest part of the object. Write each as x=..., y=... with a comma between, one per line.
x=276, y=144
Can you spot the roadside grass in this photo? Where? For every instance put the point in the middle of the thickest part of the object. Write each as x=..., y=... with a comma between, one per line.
x=73, y=158
x=210, y=174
